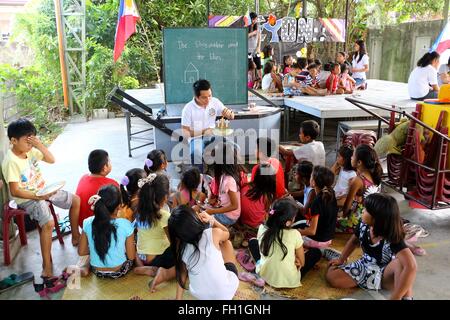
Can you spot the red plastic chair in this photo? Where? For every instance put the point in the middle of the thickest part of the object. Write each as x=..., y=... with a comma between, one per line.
x=8, y=214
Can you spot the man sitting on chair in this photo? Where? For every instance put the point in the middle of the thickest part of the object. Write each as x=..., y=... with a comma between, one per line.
x=198, y=119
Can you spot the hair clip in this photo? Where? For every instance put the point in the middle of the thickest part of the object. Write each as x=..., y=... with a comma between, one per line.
x=93, y=200
x=124, y=181
x=271, y=212
x=148, y=163
x=149, y=179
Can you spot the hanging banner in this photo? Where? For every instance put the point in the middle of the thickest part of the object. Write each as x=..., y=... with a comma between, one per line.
x=289, y=29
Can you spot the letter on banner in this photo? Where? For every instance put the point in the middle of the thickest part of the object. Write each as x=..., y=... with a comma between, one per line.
x=273, y=30
x=288, y=29
x=305, y=30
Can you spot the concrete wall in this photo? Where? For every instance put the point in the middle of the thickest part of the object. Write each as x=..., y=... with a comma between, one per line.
x=394, y=50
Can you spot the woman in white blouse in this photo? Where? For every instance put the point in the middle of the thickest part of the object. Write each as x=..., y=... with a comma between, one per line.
x=360, y=64
x=423, y=82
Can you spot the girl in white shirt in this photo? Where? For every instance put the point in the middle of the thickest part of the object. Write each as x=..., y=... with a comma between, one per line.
x=344, y=172
x=203, y=254
x=423, y=82
x=360, y=64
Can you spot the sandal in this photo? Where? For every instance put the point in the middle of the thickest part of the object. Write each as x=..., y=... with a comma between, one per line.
x=252, y=278
x=245, y=260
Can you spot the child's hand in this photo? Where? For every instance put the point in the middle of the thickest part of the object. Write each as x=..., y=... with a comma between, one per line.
x=47, y=196
x=205, y=217
x=34, y=141
x=336, y=262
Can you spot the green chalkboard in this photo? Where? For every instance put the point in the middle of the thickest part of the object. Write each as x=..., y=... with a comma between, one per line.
x=218, y=55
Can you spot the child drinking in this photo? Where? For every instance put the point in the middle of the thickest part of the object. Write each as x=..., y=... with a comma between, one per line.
x=153, y=244
x=386, y=262
x=323, y=210
x=108, y=240
x=156, y=162
x=345, y=172
x=257, y=196
x=229, y=177
x=203, y=254
x=368, y=174
x=278, y=249
x=189, y=194
x=129, y=190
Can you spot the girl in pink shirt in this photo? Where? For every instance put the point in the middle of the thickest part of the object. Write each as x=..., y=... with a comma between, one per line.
x=229, y=177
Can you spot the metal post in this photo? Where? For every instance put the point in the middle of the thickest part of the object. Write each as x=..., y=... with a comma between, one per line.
x=304, y=9
x=346, y=25
x=207, y=13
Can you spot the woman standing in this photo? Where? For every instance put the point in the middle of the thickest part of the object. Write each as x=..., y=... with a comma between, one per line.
x=423, y=82
x=360, y=64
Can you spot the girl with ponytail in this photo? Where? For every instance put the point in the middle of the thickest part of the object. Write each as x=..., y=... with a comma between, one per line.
x=156, y=162
x=368, y=176
x=278, y=249
x=423, y=80
x=129, y=191
x=153, y=247
x=322, y=214
x=107, y=239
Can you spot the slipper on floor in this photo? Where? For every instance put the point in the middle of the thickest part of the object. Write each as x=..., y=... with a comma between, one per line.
x=15, y=280
x=245, y=260
x=252, y=278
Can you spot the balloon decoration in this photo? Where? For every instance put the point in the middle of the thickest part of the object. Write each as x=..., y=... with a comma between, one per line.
x=273, y=25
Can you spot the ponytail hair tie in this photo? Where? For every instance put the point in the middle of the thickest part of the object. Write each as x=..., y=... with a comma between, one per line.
x=271, y=212
x=149, y=179
x=93, y=200
x=124, y=181
x=148, y=163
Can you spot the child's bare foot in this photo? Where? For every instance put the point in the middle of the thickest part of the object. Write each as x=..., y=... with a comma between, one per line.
x=146, y=271
x=161, y=276
x=136, y=298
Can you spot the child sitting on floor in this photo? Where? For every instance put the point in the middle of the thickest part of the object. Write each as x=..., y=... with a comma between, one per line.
x=386, y=262
x=253, y=82
x=278, y=249
x=323, y=210
x=323, y=75
x=309, y=149
x=106, y=239
x=203, y=254
x=153, y=246
x=311, y=84
x=346, y=82
x=303, y=173
x=287, y=64
x=156, y=162
x=344, y=171
x=24, y=178
x=100, y=166
x=229, y=177
x=271, y=81
x=188, y=193
x=291, y=87
x=129, y=190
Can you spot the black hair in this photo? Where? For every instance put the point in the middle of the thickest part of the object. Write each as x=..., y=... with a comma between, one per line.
x=318, y=62
x=150, y=197
x=184, y=228
x=284, y=61
x=201, y=85
x=427, y=59
x=327, y=67
x=266, y=146
x=297, y=65
x=386, y=214
x=158, y=158
x=312, y=66
x=268, y=67
x=324, y=179
x=97, y=160
x=346, y=152
x=131, y=188
x=225, y=166
x=342, y=53
x=20, y=128
x=190, y=180
x=302, y=63
x=367, y=155
x=310, y=61
x=344, y=67
x=267, y=50
x=253, y=15
x=284, y=210
x=362, y=50
x=333, y=65
x=310, y=128
x=102, y=228
x=304, y=169
x=251, y=64
x=263, y=184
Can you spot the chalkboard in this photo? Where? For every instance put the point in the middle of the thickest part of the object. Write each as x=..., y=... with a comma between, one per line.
x=218, y=55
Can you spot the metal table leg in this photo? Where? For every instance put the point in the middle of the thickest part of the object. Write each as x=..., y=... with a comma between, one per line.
x=128, y=122
x=322, y=128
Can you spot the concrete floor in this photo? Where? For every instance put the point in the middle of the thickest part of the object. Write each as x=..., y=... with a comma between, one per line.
x=71, y=150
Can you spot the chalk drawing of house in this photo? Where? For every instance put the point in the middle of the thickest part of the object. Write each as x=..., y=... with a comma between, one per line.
x=191, y=74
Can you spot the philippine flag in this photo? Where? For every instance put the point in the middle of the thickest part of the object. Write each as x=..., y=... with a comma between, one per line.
x=442, y=44
x=126, y=25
